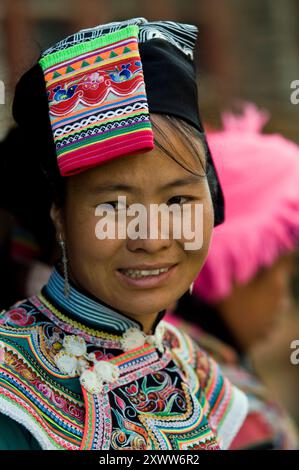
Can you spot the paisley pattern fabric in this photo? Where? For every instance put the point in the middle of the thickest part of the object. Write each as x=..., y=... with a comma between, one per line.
x=174, y=398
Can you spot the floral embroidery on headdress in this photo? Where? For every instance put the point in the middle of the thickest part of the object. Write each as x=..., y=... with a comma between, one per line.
x=97, y=101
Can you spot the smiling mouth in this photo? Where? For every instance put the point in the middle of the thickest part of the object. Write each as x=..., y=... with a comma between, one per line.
x=146, y=278
x=143, y=273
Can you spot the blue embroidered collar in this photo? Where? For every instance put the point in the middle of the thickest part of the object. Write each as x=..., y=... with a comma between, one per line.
x=84, y=308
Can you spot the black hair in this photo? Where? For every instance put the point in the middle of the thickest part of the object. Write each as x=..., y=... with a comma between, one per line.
x=162, y=142
x=188, y=133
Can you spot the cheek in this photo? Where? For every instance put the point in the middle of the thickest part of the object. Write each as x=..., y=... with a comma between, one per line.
x=82, y=242
x=278, y=283
x=273, y=296
x=202, y=226
x=208, y=223
x=282, y=286
x=202, y=218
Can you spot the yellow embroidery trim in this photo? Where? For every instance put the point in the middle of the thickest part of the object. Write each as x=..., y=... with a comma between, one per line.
x=75, y=324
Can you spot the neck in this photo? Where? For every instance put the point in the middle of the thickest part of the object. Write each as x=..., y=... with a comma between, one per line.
x=148, y=322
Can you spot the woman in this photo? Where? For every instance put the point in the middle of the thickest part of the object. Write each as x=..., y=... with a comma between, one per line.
x=245, y=284
x=89, y=363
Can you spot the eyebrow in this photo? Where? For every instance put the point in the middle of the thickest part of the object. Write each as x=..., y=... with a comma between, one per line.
x=128, y=188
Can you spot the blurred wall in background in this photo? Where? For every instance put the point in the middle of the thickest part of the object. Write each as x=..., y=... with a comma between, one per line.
x=247, y=49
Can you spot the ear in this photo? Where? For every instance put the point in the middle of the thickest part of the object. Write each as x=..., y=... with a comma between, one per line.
x=56, y=214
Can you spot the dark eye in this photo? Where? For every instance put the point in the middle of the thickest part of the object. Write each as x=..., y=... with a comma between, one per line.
x=179, y=200
x=112, y=205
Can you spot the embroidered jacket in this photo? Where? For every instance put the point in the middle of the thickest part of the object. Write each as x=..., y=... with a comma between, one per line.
x=167, y=395
x=267, y=425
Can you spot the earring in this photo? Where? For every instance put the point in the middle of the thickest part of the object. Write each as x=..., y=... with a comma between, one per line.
x=67, y=287
x=191, y=288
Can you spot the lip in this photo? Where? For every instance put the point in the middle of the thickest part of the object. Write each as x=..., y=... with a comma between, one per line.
x=149, y=267
x=149, y=281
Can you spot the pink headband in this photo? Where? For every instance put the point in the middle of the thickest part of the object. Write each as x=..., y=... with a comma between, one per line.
x=259, y=174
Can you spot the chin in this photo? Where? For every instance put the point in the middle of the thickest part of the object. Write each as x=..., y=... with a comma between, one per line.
x=143, y=308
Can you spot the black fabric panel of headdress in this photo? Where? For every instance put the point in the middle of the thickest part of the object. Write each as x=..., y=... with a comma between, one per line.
x=171, y=88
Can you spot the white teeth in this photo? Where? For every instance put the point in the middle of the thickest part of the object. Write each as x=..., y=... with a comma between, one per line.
x=135, y=273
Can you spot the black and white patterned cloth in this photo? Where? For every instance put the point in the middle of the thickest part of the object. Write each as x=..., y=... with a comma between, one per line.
x=183, y=36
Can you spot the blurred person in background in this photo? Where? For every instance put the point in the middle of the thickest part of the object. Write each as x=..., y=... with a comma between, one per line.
x=7, y=285
x=27, y=236
x=245, y=285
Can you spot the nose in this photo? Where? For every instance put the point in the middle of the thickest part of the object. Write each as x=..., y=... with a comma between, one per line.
x=148, y=245
x=152, y=237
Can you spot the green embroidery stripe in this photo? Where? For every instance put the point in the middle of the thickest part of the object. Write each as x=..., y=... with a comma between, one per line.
x=78, y=49
x=55, y=425
x=130, y=355
x=97, y=138
x=88, y=438
x=57, y=384
x=228, y=409
x=93, y=125
x=17, y=405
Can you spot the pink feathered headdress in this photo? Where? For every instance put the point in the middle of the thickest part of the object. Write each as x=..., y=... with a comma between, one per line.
x=259, y=174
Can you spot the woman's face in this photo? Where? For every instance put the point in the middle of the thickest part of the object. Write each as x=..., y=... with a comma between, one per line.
x=101, y=266
x=253, y=309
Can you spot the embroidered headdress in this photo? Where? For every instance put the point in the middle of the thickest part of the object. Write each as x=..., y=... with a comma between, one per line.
x=92, y=92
